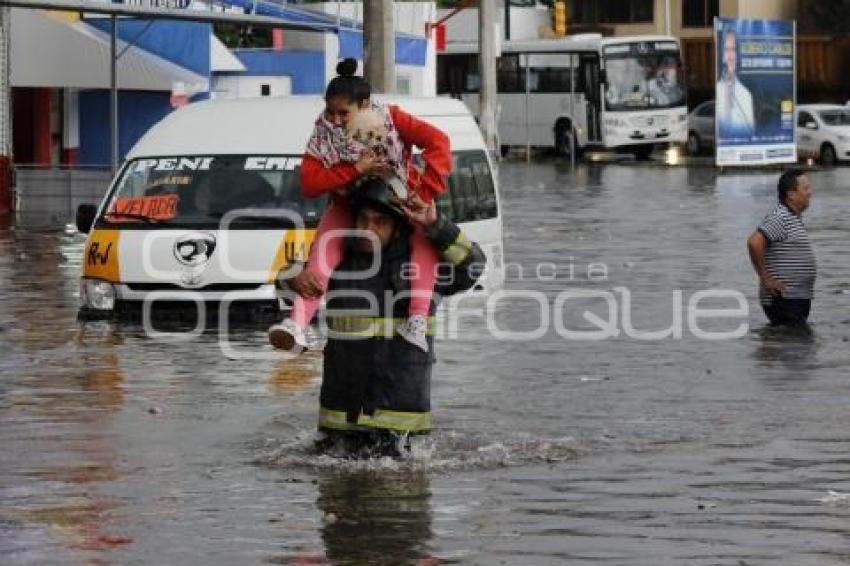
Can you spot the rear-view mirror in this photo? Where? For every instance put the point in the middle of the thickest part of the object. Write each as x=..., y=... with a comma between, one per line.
x=85, y=217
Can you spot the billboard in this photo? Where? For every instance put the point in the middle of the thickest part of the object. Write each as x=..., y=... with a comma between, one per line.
x=755, y=91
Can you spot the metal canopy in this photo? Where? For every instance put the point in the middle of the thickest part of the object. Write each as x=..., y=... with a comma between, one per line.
x=50, y=52
x=114, y=11
x=144, y=12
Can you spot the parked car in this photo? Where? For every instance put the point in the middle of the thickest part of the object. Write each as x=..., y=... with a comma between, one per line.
x=823, y=132
x=701, y=128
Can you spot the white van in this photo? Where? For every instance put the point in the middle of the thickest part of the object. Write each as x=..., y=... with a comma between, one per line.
x=206, y=211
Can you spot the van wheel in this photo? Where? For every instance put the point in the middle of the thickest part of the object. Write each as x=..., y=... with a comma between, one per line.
x=694, y=144
x=564, y=143
x=828, y=157
x=643, y=152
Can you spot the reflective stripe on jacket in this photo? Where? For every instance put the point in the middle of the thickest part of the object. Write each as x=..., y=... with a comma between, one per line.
x=373, y=378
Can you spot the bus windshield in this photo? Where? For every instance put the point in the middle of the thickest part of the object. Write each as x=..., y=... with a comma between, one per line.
x=643, y=76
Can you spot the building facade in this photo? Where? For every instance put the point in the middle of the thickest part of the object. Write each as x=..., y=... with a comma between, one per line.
x=823, y=58
x=687, y=18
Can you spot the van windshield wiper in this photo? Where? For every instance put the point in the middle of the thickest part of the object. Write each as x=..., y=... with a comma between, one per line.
x=272, y=219
x=131, y=216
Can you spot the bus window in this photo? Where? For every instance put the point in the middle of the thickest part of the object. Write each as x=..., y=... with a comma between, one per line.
x=532, y=78
x=554, y=72
x=457, y=74
x=508, y=73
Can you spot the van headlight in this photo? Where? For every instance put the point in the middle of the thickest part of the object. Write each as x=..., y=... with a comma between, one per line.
x=97, y=294
x=286, y=273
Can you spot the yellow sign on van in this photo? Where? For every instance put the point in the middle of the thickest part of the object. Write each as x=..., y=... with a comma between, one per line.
x=100, y=260
x=295, y=246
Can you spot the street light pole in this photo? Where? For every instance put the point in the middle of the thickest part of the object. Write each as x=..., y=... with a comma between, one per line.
x=113, y=94
x=5, y=113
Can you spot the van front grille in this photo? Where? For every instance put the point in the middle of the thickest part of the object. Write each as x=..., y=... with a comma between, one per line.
x=223, y=287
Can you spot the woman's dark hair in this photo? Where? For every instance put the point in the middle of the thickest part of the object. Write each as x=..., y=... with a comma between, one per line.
x=788, y=182
x=347, y=84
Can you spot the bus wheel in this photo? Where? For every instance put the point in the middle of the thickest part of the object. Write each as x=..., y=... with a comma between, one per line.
x=643, y=152
x=564, y=142
x=504, y=150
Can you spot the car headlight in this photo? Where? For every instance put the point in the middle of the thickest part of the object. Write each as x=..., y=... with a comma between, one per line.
x=97, y=294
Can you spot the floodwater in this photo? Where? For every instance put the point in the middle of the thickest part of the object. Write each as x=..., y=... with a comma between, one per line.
x=119, y=448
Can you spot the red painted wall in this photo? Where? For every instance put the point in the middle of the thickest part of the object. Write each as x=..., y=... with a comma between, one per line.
x=31, y=126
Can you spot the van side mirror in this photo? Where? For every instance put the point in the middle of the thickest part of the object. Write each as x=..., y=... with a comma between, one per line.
x=85, y=217
x=811, y=126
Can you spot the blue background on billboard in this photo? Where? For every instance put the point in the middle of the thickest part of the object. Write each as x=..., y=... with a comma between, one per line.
x=768, y=85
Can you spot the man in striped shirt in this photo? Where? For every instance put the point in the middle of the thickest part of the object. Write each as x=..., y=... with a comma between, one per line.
x=782, y=254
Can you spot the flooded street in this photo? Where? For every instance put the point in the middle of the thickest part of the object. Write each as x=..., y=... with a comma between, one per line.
x=119, y=448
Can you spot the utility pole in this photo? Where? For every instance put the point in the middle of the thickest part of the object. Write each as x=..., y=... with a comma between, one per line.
x=379, y=45
x=507, y=20
x=5, y=113
x=115, y=158
x=487, y=70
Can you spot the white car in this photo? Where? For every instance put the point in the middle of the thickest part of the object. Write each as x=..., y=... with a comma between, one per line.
x=701, y=128
x=823, y=132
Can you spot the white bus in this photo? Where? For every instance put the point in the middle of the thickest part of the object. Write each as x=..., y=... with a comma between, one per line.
x=617, y=92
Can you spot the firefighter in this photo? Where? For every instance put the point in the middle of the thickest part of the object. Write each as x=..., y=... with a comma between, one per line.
x=376, y=387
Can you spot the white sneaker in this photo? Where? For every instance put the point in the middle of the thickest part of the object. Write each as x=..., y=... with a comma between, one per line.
x=288, y=336
x=415, y=330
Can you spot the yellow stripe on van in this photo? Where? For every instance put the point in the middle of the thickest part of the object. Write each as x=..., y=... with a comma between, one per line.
x=100, y=259
x=294, y=246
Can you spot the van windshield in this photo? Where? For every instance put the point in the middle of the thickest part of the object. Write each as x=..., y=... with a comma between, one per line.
x=200, y=191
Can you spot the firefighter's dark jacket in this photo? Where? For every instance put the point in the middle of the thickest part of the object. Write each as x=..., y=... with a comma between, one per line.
x=373, y=378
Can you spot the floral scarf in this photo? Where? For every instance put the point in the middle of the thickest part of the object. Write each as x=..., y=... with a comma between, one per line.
x=331, y=145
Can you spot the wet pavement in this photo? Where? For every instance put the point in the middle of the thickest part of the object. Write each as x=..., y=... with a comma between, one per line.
x=122, y=449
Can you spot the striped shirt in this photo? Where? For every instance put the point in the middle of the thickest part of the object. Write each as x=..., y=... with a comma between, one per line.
x=789, y=256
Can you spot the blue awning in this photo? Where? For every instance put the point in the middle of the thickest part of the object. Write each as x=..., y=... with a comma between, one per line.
x=408, y=50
